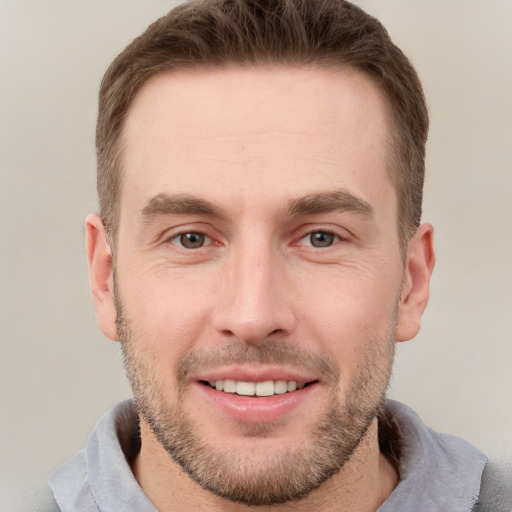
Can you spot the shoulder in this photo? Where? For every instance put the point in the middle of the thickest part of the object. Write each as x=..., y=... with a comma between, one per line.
x=418, y=444
x=70, y=485
x=437, y=471
x=496, y=489
x=463, y=467
x=36, y=500
x=99, y=477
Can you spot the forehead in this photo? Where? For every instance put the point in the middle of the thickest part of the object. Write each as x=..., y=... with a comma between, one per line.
x=270, y=129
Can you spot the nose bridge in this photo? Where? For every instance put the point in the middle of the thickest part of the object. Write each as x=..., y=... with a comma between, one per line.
x=253, y=304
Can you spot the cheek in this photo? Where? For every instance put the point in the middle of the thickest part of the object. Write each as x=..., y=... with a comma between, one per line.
x=351, y=313
x=167, y=313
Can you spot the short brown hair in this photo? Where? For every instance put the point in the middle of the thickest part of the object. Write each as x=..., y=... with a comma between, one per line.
x=212, y=33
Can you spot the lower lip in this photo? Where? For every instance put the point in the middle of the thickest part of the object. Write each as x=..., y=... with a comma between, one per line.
x=253, y=409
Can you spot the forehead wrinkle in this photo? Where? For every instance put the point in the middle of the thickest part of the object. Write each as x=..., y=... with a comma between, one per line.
x=177, y=204
x=325, y=202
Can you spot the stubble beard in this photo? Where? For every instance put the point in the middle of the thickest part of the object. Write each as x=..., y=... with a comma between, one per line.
x=268, y=478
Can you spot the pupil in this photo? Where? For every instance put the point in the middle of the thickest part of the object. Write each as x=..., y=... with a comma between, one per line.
x=192, y=240
x=321, y=239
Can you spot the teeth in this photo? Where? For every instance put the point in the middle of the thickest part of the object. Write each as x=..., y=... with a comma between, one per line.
x=291, y=386
x=266, y=388
x=280, y=387
x=229, y=386
x=245, y=388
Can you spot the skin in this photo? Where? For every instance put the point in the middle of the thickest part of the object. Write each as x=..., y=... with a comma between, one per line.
x=253, y=142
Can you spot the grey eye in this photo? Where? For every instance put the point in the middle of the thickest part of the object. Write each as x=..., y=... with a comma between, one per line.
x=322, y=239
x=191, y=240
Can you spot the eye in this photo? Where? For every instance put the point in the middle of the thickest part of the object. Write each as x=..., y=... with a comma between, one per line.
x=191, y=240
x=320, y=239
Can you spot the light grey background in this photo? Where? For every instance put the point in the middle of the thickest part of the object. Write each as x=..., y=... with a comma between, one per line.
x=57, y=371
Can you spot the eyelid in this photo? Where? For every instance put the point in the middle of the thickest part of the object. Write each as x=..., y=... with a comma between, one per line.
x=305, y=231
x=175, y=240
x=336, y=240
x=171, y=234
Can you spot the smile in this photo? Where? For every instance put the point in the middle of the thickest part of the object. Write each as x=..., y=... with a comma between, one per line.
x=265, y=388
x=255, y=400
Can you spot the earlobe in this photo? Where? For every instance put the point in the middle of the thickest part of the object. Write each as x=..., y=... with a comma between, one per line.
x=415, y=289
x=101, y=279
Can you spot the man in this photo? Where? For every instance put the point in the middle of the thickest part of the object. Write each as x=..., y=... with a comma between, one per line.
x=258, y=253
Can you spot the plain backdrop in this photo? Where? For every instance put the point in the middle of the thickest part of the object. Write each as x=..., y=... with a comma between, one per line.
x=58, y=373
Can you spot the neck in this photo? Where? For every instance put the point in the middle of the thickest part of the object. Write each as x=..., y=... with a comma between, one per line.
x=362, y=485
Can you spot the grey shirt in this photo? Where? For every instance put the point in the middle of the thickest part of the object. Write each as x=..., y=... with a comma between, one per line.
x=438, y=472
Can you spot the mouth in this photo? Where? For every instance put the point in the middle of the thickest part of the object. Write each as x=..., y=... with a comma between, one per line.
x=257, y=395
x=256, y=389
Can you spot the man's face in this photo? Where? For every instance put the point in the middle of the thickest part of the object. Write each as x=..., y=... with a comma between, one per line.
x=258, y=252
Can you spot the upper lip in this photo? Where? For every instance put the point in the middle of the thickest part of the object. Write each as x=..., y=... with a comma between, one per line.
x=254, y=374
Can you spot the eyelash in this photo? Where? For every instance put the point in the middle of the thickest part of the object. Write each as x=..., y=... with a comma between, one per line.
x=336, y=238
x=178, y=240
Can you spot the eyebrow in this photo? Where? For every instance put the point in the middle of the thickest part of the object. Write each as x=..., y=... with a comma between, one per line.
x=179, y=204
x=312, y=204
x=326, y=202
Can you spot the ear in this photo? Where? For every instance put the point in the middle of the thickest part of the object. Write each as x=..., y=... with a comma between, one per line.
x=101, y=276
x=415, y=289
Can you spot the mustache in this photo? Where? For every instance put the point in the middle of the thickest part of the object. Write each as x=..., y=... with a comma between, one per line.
x=268, y=352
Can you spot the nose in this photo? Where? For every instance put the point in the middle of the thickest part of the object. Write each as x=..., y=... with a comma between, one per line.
x=254, y=300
